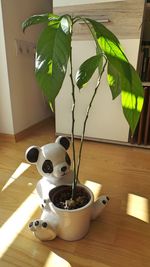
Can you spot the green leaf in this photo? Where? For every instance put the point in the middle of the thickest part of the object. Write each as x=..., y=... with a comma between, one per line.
x=132, y=98
x=37, y=19
x=101, y=31
x=113, y=81
x=100, y=66
x=122, y=72
x=110, y=46
x=86, y=70
x=53, y=51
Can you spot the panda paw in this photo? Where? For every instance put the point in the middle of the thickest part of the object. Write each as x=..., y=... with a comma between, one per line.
x=99, y=205
x=42, y=230
x=45, y=204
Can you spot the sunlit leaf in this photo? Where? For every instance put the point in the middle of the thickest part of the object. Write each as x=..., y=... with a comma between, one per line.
x=53, y=50
x=86, y=70
x=132, y=98
x=37, y=19
x=124, y=73
x=111, y=47
x=111, y=40
x=113, y=81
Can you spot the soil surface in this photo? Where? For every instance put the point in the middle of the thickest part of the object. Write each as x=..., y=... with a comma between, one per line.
x=62, y=197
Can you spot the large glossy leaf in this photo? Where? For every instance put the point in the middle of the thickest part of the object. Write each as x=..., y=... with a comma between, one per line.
x=86, y=70
x=132, y=98
x=53, y=50
x=110, y=45
x=37, y=19
x=113, y=81
x=124, y=73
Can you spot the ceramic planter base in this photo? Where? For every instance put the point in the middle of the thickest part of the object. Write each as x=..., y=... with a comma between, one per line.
x=69, y=225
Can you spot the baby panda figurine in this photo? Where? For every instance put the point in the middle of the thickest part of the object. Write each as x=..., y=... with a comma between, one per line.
x=53, y=163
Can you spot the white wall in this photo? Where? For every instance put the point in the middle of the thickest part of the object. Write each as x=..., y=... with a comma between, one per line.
x=28, y=105
x=106, y=120
x=6, y=123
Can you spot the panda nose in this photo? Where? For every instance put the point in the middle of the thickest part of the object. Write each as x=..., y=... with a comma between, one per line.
x=63, y=169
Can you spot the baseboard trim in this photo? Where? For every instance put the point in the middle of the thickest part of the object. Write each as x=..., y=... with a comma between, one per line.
x=105, y=141
x=25, y=133
x=7, y=138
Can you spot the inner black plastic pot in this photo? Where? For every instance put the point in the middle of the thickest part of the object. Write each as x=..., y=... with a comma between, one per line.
x=60, y=196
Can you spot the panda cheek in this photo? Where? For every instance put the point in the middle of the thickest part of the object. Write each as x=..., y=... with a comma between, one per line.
x=56, y=174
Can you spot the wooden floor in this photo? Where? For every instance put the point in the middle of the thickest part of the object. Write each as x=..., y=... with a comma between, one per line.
x=120, y=237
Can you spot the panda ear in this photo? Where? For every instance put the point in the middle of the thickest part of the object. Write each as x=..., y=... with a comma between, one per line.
x=63, y=141
x=32, y=154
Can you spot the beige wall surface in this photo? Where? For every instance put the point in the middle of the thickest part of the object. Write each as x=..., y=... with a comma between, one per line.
x=28, y=104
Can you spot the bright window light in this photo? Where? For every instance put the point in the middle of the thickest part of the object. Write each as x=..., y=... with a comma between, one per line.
x=54, y=260
x=9, y=182
x=137, y=207
x=20, y=170
x=14, y=225
x=95, y=188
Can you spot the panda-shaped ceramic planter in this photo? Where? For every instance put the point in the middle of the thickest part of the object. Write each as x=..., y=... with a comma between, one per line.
x=53, y=163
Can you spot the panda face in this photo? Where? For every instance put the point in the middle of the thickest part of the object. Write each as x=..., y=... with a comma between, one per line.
x=53, y=160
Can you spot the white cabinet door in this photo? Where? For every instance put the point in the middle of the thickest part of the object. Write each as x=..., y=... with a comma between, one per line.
x=106, y=120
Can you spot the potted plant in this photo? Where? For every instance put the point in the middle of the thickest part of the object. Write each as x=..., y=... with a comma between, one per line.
x=53, y=55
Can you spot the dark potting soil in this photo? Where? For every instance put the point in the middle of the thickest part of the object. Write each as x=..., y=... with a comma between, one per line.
x=62, y=198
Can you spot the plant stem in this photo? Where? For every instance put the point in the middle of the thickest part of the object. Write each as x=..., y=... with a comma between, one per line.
x=86, y=118
x=72, y=130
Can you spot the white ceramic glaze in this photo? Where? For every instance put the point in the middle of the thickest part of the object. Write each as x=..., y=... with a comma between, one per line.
x=74, y=224
x=67, y=224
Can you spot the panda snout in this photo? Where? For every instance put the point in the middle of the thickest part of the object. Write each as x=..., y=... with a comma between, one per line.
x=60, y=170
x=63, y=169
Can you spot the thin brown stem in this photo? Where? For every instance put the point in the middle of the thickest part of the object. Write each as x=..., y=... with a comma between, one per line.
x=86, y=118
x=72, y=130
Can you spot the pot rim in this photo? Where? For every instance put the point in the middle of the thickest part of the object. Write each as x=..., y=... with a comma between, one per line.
x=78, y=209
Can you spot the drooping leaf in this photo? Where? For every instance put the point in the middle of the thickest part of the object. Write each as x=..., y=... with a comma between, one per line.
x=37, y=19
x=86, y=70
x=113, y=81
x=111, y=47
x=132, y=98
x=53, y=50
x=131, y=94
x=100, y=66
x=130, y=84
x=101, y=31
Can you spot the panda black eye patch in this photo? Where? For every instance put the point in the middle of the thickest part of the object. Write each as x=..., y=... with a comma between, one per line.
x=47, y=166
x=68, y=160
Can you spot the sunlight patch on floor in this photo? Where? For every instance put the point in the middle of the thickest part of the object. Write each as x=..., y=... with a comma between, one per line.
x=14, y=225
x=137, y=207
x=95, y=188
x=20, y=170
x=54, y=260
